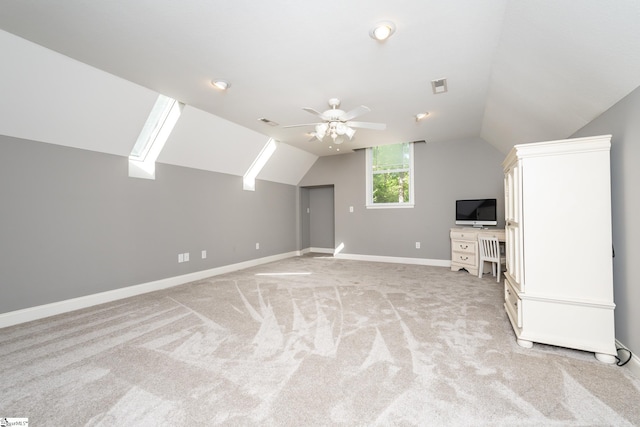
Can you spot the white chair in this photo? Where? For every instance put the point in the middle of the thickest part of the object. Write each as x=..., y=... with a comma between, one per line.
x=490, y=252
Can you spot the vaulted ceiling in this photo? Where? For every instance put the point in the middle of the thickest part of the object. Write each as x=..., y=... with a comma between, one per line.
x=517, y=71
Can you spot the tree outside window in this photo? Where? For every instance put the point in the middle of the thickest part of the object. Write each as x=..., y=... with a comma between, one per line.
x=390, y=176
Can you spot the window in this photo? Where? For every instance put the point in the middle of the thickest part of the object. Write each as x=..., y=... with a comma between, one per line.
x=390, y=176
x=161, y=121
x=249, y=178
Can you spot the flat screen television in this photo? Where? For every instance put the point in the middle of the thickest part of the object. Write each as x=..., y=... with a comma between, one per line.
x=476, y=212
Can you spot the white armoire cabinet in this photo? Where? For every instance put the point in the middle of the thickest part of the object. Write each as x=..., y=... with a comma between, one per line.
x=559, y=279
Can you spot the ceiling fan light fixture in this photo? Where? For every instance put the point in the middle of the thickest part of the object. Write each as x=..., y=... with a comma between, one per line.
x=350, y=132
x=382, y=30
x=337, y=124
x=221, y=84
x=321, y=130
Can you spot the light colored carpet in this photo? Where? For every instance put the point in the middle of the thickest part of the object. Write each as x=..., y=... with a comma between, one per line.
x=306, y=341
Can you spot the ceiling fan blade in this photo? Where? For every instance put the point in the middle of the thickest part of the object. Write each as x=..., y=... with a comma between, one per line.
x=315, y=113
x=300, y=125
x=367, y=125
x=354, y=113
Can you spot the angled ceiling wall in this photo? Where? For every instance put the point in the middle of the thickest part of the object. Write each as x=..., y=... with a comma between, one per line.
x=51, y=98
x=558, y=66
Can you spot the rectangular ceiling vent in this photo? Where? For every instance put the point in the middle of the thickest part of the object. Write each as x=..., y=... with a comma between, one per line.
x=439, y=86
x=267, y=121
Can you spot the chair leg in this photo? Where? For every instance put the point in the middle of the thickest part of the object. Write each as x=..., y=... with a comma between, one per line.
x=480, y=268
x=499, y=272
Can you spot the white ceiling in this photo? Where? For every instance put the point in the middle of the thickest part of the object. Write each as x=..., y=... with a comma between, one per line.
x=517, y=71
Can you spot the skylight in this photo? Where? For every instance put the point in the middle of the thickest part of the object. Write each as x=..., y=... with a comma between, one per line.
x=161, y=121
x=249, y=178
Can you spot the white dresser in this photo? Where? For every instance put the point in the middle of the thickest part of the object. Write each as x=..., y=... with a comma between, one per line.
x=559, y=278
x=464, y=246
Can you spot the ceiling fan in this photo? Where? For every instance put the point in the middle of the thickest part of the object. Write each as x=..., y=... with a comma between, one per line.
x=337, y=123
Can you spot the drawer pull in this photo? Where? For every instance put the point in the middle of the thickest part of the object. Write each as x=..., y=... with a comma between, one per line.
x=464, y=247
x=508, y=292
x=464, y=259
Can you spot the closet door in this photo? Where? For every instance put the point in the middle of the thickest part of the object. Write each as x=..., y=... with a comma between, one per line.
x=322, y=218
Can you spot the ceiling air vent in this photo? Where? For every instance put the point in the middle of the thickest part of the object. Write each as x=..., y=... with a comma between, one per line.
x=267, y=121
x=439, y=86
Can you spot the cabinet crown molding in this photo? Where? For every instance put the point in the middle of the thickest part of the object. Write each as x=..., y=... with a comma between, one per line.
x=560, y=147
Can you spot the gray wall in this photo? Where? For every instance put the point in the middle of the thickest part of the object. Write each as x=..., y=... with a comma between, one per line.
x=72, y=223
x=623, y=123
x=444, y=172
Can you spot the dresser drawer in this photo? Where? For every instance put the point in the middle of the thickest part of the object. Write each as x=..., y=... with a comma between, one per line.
x=460, y=258
x=464, y=235
x=498, y=234
x=513, y=304
x=463, y=246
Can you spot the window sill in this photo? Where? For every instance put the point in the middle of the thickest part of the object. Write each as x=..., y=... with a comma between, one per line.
x=390, y=206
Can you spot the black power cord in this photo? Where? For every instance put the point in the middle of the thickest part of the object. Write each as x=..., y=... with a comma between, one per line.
x=620, y=363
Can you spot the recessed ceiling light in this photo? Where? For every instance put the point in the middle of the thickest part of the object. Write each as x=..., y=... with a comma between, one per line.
x=382, y=30
x=221, y=84
x=421, y=116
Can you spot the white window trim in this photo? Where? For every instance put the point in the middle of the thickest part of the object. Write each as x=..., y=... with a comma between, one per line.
x=369, y=186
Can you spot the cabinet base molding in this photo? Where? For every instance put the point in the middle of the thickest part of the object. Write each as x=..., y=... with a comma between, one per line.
x=524, y=343
x=579, y=326
x=606, y=358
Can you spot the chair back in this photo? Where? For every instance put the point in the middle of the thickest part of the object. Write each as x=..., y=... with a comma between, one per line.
x=489, y=248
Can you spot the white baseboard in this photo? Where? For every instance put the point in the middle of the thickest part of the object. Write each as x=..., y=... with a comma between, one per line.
x=396, y=260
x=634, y=363
x=321, y=250
x=52, y=309
x=317, y=251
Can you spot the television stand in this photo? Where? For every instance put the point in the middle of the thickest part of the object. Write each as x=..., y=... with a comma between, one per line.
x=464, y=246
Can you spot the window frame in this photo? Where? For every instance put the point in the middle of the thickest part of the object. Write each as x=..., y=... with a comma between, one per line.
x=369, y=181
x=156, y=131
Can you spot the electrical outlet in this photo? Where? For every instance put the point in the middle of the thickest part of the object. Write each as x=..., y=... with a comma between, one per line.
x=186, y=257
x=417, y=245
x=351, y=209
x=180, y=257
x=257, y=245
x=204, y=254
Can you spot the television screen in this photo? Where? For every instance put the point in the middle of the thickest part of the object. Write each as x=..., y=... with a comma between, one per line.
x=476, y=212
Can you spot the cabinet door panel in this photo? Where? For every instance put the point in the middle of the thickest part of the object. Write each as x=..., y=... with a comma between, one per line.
x=513, y=229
